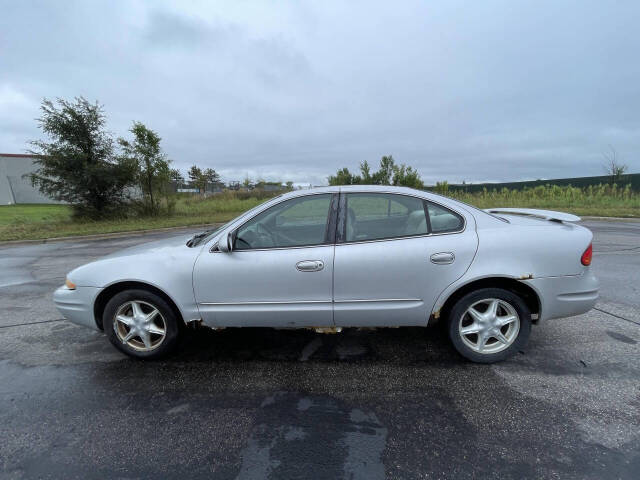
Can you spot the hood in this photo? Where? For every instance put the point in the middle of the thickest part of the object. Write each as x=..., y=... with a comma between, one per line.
x=146, y=262
x=157, y=247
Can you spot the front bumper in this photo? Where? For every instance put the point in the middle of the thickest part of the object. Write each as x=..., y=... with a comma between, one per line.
x=565, y=296
x=77, y=305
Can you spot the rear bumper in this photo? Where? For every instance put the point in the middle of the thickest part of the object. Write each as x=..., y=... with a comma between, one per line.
x=565, y=296
x=77, y=305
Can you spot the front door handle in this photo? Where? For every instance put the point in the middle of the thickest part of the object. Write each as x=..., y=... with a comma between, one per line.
x=443, y=258
x=310, y=265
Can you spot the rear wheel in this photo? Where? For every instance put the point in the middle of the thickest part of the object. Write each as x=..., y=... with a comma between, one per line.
x=141, y=324
x=489, y=325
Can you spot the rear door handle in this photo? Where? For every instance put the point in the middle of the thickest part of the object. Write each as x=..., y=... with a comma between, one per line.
x=310, y=265
x=443, y=258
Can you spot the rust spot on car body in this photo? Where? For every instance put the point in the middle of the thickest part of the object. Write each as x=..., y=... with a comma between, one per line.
x=327, y=329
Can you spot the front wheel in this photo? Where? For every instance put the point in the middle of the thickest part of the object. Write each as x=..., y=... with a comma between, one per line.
x=489, y=325
x=141, y=324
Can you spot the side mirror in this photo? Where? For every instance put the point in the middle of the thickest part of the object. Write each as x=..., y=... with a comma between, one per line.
x=225, y=244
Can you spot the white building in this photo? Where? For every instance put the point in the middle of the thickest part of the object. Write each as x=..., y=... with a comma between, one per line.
x=14, y=187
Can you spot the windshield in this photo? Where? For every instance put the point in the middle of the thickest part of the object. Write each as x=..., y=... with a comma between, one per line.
x=198, y=238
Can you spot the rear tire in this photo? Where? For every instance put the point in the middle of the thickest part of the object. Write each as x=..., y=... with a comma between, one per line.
x=141, y=324
x=489, y=325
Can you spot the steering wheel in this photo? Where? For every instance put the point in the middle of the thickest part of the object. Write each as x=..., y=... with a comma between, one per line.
x=265, y=232
x=240, y=239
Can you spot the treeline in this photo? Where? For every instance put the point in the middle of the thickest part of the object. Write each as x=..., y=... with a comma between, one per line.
x=602, y=199
x=83, y=164
x=632, y=179
x=388, y=173
x=99, y=175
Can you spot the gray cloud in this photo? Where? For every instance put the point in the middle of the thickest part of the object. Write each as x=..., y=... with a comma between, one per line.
x=475, y=91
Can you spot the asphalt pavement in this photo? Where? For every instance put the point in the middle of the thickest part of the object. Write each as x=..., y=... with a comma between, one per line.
x=278, y=404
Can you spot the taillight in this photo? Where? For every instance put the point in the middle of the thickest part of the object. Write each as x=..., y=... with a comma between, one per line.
x=586, y=256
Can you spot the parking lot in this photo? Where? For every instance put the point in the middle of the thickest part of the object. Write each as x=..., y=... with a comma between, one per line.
x=259, y=403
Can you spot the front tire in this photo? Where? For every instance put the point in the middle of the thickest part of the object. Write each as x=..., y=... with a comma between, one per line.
x=141, y=324
x=489, y=325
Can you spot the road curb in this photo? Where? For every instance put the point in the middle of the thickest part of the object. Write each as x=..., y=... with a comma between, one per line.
x=613, y=219
x=104, y=236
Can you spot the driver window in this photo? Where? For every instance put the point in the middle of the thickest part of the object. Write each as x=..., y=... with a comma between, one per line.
x=293, y=223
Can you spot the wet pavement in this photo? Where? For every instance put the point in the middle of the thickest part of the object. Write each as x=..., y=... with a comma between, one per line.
x=260, y=403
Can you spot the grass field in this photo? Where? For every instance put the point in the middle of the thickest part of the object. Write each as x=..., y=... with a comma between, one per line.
x=599, y=200
x=22, y=222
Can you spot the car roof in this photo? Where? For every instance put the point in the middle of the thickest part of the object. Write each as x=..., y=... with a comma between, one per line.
x=358, y=188
x=434, y=197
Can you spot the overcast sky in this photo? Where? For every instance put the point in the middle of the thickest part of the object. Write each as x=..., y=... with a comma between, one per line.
x=293, y=90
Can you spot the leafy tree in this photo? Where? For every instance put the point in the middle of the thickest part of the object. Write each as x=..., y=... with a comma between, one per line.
x=78, y=165
x=407, y=177
x=289, y=185
x=384, y=175
x=153, y=166
x=344, y=177
x=365, y=170
x=210, y=177
x=388, y=174
x=176, y=176
x=195, y=177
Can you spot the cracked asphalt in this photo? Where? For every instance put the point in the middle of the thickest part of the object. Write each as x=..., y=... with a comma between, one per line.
x=260, y=403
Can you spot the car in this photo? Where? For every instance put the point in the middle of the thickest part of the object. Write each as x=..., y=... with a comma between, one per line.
x=350, y=256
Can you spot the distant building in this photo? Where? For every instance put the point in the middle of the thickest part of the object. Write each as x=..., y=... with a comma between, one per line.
x=14, y=188
x=189, y=187
x=270, y=186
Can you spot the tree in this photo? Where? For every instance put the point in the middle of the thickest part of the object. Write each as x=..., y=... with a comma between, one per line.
x=344, y=177
x=153, y=173
x=289, y=185
x=77, y=165
x=365, y=170
x=384, y=174
x=195, y=177
x=388, y=174
x=246, y=183
x=176, y=176
x=612, y=166
x=407, y=177
x=210, y=177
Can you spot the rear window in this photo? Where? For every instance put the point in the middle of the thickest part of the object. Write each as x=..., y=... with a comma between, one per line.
x=443, y=220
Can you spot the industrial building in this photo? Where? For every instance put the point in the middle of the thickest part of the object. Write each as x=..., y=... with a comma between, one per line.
x=14, y=186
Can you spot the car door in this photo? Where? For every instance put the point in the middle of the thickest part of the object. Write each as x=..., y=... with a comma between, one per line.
x=279, y=272
x=390, y=263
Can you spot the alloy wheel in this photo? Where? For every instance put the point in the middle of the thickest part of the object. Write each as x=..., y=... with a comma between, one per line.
x=489, y=326
x=140, y=325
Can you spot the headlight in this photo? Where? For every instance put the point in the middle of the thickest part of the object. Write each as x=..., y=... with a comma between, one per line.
x=69, y=284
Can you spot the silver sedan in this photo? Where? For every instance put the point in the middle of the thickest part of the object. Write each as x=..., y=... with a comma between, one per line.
x=338, y=257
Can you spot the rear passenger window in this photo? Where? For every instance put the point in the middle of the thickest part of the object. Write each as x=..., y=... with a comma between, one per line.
x=444, y=220
x=373, y=216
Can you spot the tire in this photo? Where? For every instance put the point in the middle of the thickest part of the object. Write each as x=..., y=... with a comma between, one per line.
x=485, y=346
x=159, y=331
